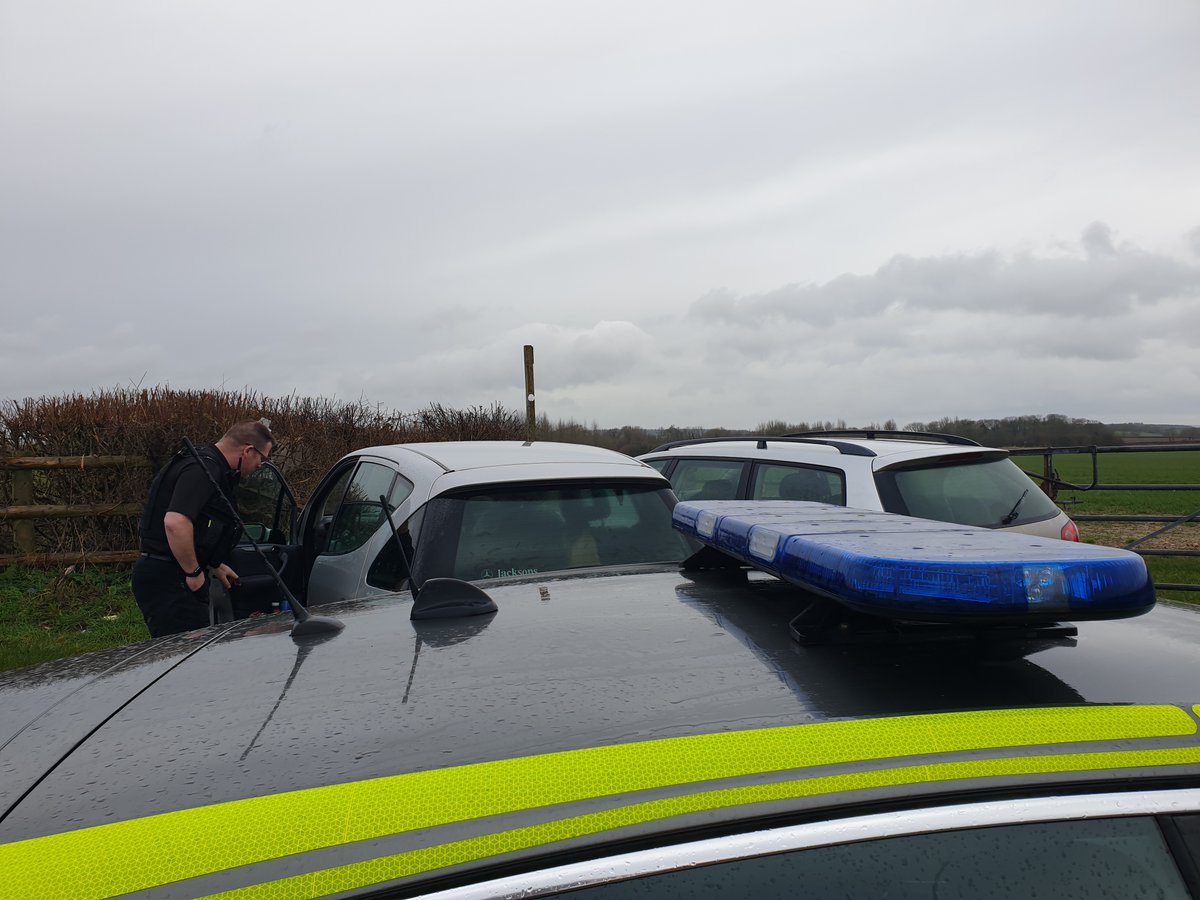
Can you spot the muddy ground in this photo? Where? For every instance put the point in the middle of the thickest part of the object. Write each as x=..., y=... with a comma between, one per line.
x=1119, y=534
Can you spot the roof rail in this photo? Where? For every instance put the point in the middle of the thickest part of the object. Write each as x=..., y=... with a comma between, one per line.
x=872, y=434
x=761, y=441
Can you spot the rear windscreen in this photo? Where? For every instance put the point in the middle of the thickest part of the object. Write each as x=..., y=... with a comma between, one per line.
x=992, y=494
x=511, y=531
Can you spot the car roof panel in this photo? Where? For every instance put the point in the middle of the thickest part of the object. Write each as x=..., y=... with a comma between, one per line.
x=589, y=472
x=464, y=455
x=886, y=452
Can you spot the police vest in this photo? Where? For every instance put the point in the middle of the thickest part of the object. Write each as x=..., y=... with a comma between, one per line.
x=215, y=529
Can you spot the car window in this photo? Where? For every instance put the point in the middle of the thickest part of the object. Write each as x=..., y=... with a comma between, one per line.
x=707, y=479
x=1183, y=833
x=389, y=569
x=657, y=464
x=1085, y=859
x=332, y=497
x=360, y=513
x=989, y=494
x=508, y=531
x=264, y=499
x=778, y=482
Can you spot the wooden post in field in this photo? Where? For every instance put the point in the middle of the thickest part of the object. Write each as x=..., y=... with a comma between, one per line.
x=530, y=412
x=1048, y=486
x=23, y=534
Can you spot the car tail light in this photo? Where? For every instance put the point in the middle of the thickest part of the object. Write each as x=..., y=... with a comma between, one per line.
x=1070, y=531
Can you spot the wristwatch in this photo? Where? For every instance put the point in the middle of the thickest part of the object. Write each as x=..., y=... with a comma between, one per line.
x=194, y=573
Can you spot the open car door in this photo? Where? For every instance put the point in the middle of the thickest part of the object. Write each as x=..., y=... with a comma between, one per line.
x=268, y=510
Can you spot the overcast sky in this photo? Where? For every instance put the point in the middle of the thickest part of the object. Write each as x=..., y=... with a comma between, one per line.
x=698, y=213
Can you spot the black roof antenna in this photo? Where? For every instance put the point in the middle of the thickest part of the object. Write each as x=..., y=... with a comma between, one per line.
x=306, y=623
x=439, y=598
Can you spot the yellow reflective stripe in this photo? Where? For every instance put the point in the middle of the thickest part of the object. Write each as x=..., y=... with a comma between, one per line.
x=415, y=862
x=127, y=856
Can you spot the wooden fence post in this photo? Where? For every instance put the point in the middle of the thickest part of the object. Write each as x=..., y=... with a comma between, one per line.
x=530, y=408
x=23, y=532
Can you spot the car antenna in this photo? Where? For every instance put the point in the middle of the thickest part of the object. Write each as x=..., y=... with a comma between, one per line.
x=439, y=598
x=306, y=623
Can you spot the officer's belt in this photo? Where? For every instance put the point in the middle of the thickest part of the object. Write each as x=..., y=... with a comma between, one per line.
x=159, y=556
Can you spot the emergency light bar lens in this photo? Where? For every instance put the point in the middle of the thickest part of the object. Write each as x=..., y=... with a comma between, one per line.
x=1044, y=588
x=764, y=544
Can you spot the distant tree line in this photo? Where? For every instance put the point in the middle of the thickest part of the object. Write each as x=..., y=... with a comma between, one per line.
x=1051, y=430
x=1140, y=432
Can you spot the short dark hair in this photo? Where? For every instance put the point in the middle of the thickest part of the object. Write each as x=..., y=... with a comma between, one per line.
x=252, y=432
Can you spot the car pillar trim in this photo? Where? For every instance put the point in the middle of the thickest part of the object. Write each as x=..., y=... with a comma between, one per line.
x=109, y=859
x=810, y=835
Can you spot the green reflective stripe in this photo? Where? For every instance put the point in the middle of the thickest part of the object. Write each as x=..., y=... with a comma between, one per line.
x=114, y=858
x=415, y=862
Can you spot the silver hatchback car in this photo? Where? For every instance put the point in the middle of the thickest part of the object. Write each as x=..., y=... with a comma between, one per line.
x=383, y=517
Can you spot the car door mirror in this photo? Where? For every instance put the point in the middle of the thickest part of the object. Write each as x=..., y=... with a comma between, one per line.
x=254, y=532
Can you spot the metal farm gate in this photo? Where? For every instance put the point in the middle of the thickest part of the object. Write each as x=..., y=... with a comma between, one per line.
x=1051, y=484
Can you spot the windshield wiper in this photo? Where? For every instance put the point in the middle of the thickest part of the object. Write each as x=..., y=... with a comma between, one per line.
x=1012, y=513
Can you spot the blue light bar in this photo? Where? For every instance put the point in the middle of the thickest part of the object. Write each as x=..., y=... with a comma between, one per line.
x=902, y=567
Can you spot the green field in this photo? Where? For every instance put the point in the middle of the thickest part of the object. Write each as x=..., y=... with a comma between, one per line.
x=1181, y=467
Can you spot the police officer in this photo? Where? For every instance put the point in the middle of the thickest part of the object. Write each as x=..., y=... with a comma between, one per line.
x=187, y=528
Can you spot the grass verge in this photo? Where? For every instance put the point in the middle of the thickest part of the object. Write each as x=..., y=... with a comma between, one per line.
x=47, y=615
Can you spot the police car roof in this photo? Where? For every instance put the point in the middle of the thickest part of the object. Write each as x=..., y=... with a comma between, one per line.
x=579, y=687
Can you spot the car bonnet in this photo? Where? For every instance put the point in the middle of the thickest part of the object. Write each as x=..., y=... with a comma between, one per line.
x=49, y=709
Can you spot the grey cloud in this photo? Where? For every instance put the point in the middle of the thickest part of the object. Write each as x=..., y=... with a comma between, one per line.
x=1107, y=281
x=1193, y=240
x=605, y=352
x=567, y=361
x=1098, y=240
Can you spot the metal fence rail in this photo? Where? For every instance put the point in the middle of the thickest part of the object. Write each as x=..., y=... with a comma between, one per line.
x=1051, y=484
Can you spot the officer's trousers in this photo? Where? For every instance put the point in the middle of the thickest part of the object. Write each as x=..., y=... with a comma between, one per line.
x=164, y=599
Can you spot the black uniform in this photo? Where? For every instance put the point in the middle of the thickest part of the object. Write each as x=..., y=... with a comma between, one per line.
x=181, y=486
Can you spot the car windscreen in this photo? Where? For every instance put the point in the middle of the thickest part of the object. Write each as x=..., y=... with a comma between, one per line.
x=1082, y=859
x=988, y=493
x=515, y=530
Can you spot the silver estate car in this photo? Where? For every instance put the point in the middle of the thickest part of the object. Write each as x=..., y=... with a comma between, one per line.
x=930, y=476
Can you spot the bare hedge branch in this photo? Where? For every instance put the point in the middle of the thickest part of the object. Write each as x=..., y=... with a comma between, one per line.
x=312, y=434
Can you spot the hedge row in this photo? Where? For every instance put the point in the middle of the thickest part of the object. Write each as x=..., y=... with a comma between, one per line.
x=149, y=425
